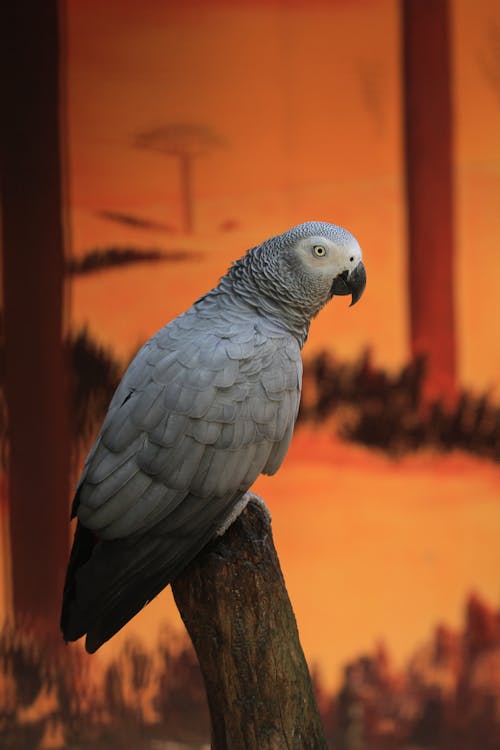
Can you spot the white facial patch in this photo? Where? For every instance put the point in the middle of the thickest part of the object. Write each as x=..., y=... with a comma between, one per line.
x=321, y=256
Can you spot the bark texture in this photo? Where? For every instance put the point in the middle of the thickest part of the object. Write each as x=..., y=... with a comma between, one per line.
x=234, y=604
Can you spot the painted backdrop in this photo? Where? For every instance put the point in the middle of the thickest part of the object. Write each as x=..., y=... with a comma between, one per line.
x=194, y=131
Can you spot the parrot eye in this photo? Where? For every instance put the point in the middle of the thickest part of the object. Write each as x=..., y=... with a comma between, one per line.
x=351, y=258
x=319, y=251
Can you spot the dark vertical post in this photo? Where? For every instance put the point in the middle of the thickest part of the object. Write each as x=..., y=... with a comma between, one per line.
x=428, y=131
x=33, y=267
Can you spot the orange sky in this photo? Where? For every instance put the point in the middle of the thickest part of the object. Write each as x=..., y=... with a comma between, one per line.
x=306, y=96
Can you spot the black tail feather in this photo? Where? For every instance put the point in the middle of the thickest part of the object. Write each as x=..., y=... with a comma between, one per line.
x=81, y=552
x=110, y=581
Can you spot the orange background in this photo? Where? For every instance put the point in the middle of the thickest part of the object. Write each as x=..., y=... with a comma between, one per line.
x=307, y=97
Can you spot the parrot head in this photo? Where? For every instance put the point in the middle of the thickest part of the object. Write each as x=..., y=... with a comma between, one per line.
x=315, y=261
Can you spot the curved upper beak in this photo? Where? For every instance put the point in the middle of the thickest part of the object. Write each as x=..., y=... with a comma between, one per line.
x=352, y=283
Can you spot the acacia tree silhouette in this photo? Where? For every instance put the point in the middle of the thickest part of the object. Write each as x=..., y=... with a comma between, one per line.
x=185, y=142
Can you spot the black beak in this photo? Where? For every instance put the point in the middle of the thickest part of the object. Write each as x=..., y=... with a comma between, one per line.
x=353, y=283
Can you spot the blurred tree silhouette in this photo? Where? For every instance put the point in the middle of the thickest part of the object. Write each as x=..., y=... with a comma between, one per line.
x=350, y=712
x=185, y=142
x=428, y=135
x=95, y=375
x=102, y=259
x=447, y=698
x=135, y=222
x=181, y=692
x=35, y=376
x=366, y=404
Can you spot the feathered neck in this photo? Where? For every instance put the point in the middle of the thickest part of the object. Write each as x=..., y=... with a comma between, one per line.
x=254, y=281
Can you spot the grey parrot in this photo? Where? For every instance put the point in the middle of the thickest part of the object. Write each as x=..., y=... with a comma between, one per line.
x=207, y=404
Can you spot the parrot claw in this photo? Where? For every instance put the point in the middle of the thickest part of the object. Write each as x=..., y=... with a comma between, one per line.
x=239, y=507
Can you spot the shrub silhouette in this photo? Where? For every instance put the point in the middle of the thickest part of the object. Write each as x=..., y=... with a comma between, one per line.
x=101, y=259
x=446, y=698
x=387, y=411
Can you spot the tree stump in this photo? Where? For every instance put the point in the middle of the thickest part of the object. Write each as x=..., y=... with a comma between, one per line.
x=233, y=601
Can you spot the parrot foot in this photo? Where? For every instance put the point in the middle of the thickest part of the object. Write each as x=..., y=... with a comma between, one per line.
x=239, y=507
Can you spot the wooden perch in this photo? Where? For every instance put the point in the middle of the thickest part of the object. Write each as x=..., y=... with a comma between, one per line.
x=234, y=604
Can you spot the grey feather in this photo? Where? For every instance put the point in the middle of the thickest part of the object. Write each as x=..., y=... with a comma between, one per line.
x=142, y=514
x=213, y=355
x=240, y=351
x=257, y=463
x=278, y=452
x=226, y=376
x=180, y=398
x=146, y=405
x=128, y=481
x=222, y=411
x=169, y=429
x=203, y=431
x=106, y=462
x=118, y=431
x=261, y=410
x=189, y=355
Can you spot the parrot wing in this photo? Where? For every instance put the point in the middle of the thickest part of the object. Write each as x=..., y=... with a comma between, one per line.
x=199, y=414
